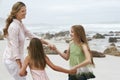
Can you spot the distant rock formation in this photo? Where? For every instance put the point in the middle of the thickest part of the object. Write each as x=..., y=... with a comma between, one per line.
x=98, y=36
x=112, y=50
x=94, y=54
x=97, y=54
x=112, y=39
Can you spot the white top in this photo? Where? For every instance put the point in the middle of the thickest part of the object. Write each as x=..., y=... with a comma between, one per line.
x=15, y=40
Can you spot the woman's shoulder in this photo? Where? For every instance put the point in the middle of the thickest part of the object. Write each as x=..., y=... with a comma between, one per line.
x=14, y=26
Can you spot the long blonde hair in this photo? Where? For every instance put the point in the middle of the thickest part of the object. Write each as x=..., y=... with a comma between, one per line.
x=80, y=37
x=79, y=33
x=16, y=7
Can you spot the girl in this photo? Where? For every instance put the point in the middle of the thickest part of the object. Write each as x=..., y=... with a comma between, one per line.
x=79, y=54
x=37, y=61
x=15, y=33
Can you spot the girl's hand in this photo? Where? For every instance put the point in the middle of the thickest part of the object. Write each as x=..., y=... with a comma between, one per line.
x=23, y=74
x=73, y=71
x=52, y=46
x=19, y=63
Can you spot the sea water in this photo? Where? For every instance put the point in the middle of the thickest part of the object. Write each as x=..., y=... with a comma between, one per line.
x=88, y=28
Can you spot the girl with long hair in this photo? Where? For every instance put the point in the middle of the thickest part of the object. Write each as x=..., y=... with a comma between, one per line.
x=37, y=61
x=79, y=55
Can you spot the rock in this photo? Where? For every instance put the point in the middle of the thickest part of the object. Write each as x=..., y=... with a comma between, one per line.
x=48, y=36
x=62, y=33
x=112, y=50
x=112, y=39
x=97, y=54
x=98, y=36
x=112, y=44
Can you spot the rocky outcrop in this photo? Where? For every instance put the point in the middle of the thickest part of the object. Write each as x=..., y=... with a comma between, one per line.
x=98, y=36
x=62, y=33
x=97, y=54
x=112, y=39
x=112, y=50
x=48, y=36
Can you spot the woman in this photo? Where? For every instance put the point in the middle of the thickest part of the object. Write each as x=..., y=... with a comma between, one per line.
x=15, y=33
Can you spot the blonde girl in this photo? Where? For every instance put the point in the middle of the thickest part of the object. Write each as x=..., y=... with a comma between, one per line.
x=78, y=54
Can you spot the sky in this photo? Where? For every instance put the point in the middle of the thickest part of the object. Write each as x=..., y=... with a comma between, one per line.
x=66, y=11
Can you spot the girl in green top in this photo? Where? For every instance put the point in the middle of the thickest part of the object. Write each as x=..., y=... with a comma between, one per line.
x=79, y=54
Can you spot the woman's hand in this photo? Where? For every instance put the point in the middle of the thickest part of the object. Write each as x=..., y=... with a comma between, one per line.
x=19, y=63
x=51, y=46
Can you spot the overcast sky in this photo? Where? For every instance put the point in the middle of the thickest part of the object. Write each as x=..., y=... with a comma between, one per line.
x=66, y=11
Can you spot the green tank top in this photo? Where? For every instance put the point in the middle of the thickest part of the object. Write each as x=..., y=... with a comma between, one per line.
x=76, y=55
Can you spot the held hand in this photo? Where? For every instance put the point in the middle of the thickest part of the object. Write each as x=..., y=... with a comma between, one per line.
x=73, y=71
x=52, y=46
x=23, y=74
x=19, y=63
x=56, y=50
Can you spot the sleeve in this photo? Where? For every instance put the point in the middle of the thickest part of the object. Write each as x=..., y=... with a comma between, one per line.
x=29, y=34
x=14, y=42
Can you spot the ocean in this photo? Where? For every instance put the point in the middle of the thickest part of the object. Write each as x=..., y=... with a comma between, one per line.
x=101, y=28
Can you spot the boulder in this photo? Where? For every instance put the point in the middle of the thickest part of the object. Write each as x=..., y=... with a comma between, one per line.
x=98, y=36
x=112, y=50
x=112, y=39
x=97, y=54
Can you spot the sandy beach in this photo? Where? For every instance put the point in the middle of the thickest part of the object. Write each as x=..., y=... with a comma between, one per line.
x=106, y=68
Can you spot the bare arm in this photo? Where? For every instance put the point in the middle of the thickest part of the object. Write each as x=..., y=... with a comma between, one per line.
x=87, y=57
x=31, y=35
x=64, y=55
x=58, y=68
x=51, y=46
x=23, y=71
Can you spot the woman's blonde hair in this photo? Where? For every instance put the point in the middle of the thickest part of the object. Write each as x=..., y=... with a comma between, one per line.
x=16, y=7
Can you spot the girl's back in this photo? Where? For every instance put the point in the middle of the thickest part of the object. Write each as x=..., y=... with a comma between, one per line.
x=37, y=73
